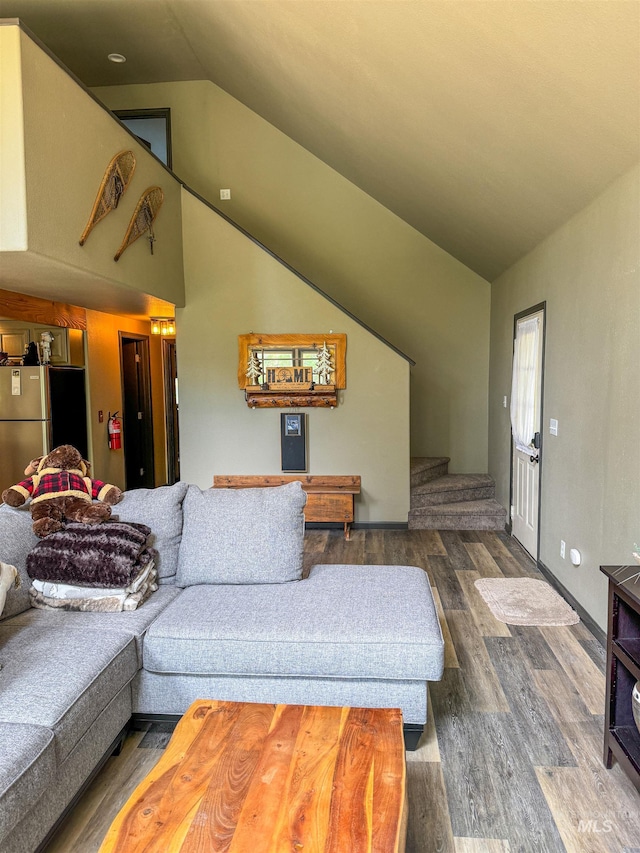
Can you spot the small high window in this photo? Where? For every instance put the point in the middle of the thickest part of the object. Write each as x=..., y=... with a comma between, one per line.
x=153, y=129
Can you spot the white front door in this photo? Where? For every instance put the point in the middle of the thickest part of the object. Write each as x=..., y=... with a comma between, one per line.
x=526, y=408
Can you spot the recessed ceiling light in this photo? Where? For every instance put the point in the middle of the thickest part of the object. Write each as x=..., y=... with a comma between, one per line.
x=117, y=57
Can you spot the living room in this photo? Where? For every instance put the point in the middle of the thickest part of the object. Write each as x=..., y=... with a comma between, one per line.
x=456, y=325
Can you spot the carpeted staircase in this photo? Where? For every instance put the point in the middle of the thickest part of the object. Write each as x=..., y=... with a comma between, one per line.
x=443, y=501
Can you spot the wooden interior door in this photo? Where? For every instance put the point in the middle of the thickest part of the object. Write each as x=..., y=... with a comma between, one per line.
x=137, y=421
x=170, y=365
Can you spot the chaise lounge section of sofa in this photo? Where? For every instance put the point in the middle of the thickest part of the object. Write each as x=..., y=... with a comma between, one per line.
x=233, y=619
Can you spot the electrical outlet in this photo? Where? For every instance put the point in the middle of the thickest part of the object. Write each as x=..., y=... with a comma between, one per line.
x=563, y=548
x=225, y=194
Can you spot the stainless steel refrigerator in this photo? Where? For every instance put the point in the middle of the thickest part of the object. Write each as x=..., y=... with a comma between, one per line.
x=40, y=408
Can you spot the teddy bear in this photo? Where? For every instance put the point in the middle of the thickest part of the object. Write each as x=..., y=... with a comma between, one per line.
x=61, y=490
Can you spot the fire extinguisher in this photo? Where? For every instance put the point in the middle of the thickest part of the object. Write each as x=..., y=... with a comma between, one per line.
x=114, y=430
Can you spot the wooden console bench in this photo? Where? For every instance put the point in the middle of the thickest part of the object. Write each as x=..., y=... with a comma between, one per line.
x=329, y=498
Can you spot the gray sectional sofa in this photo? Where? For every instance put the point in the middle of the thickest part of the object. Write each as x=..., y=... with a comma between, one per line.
x=232, y=619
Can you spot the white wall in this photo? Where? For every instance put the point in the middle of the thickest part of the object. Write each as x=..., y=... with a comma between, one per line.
x=13, y=198
x=233, y=287
x=588, y=273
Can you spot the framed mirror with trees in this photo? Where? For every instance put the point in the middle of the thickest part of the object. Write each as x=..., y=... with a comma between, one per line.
x=280, y=371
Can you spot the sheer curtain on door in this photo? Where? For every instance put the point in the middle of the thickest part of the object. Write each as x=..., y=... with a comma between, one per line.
x=523, y=384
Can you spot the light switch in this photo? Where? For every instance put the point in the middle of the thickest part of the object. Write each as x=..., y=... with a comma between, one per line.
x=553, y=426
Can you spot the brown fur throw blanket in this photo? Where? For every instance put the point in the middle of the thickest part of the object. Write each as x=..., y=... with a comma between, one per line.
x=104, y=555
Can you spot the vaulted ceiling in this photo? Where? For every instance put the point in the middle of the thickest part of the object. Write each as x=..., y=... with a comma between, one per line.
x=484, y=125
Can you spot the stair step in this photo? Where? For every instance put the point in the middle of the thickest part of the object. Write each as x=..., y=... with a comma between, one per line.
x=461, y=515
x=427, y=468
x=453, y=488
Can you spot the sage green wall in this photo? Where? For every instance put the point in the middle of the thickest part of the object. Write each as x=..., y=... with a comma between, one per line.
x=69, y=140
x=587, y=271
x=233, y=287
x=397, y=281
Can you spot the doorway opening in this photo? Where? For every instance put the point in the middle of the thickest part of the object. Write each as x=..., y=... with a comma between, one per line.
x=152, y=128
x=527, y=393
x=137, y=420
x=170, y=370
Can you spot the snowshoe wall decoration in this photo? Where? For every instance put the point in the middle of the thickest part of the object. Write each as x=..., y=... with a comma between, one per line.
x=114, y=185
x=143, y=218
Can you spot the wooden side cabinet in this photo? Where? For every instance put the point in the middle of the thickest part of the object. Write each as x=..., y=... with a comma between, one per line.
x=329, y=498
x=621, y=736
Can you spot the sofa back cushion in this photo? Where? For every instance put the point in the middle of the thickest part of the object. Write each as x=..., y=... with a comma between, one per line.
x=161, y=510
x=16, y=540
x=234, y=536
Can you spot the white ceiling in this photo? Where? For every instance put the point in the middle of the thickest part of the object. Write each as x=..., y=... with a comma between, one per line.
x=485, y=125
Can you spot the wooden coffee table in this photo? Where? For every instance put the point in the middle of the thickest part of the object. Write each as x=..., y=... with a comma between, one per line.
x=249, y=778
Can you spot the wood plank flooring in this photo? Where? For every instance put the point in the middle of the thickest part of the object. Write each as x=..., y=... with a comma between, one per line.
x=511, y=757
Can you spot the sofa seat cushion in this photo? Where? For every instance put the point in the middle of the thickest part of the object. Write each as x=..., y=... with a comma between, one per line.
x=341, y=622
x=61, y=676
x=129, y=623
x=27, y=768
x=243, y=536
